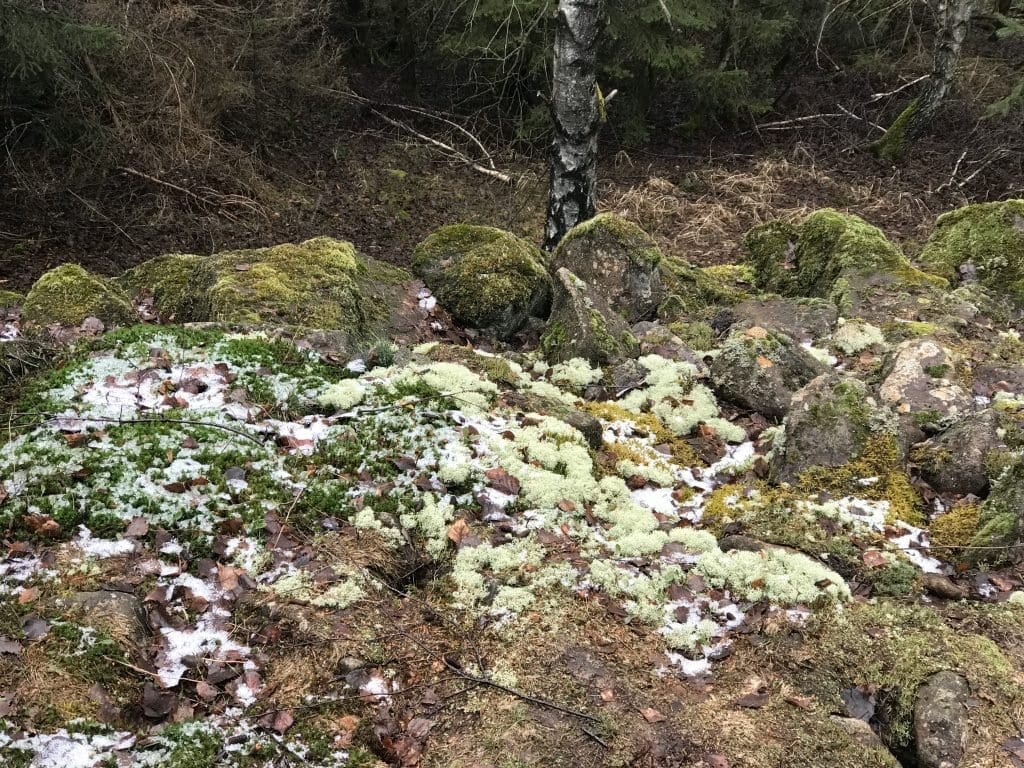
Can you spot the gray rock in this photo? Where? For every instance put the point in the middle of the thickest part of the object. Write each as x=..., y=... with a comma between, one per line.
x=760, y=370
x=862, y=734
x=583, y=325
x=655, y=339
x=800, y=319
x=618, y=260
x=919, y=380
x=956, y=460
x=829, y=424
x=940, y=720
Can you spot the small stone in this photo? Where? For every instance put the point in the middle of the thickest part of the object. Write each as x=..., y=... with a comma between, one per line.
x=940, y=720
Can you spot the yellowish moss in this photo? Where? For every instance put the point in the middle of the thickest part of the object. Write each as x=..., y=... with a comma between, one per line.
x=68, y=294
x=178, y=282
x=723, y=505
x=880, y=460
x=954, y=530
x=682, y=452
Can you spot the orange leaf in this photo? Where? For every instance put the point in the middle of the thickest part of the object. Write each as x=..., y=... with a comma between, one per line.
x=28, y=595
x=764, y=362
x=651, y=715
x=457, y=530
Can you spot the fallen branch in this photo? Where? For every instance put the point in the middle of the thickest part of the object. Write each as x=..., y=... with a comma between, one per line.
x=504, y=177
x=520, y=694
x=878, y=96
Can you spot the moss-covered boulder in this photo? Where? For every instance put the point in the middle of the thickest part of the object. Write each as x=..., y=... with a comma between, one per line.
x=486, y=278
x=760, y=370
x=583, y=325
x=320, y=283
x=616, y=259
x=695, y=293
x=829, y=425
x=68, y=294
x=179, y=284
x=959, y=460
x=837, y=256
x=1001, y=521
x=986, y=241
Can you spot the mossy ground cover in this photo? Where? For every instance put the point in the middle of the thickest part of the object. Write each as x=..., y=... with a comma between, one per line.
x=357, y=548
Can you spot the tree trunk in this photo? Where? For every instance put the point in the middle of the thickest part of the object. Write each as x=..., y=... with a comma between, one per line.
x=916, y=119
x=577, y=118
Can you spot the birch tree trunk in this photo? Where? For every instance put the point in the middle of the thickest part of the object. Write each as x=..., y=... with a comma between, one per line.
x=915, y=120
x=577, y=118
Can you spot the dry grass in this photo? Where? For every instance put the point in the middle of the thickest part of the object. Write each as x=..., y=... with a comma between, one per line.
x=704, y=217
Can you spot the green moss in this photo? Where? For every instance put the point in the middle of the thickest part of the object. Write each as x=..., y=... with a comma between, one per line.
x=320, y=283
x=692, y=293
x=832, y=252
x=179, y=284
x=68, y=295
x=896, y=647
x=697, y=336
x=898, y=330
x=988, y=235
x=770, y=247
x=1000, y=518
x=894, y=143
x=952, y=532
x=607, y=230
x=10, y=298
x=487, y=278
x=897, y=578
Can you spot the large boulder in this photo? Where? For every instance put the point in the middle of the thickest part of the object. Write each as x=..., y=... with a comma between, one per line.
x=760, y=370
x=320, y=283
x=616, y=259
x=801, y=319
x=830, y=424
x=486, y=278
x=178, y=283
x=69, y=294
x=984, y=241
x=840, y=257
x=583, y=325
x=958, y=460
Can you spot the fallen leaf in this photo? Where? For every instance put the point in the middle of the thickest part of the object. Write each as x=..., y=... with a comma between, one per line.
x=567, y=505
x=873, y=558
x=457, y=531
x=803, y=702
x=419, y=727
x=12, y=647
x=764, y=362
x=157, y=703
x=28, y=595
x=279, y=721
x=138, y=526
x=42, y=524
x=607, y=695
x=500, y=480
x=752, y=700
x=716, y=760
x=651, y=715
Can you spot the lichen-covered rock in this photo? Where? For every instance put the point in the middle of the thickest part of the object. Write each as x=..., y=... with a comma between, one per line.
x=583, y=325
x=986, y=241
x=179, y=284
x=1001, y=519
x=958, y=460
x=760, y=370
x=830, y=423
x=656, y=339
x=919, y=382
x=940, y=720
x=616, y=259
x=486, y=278
x=799, y=318
x=68, y=294
x=831, y=255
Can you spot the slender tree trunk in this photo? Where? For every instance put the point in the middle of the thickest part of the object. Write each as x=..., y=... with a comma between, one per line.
x=916, y=119
x=577, y=118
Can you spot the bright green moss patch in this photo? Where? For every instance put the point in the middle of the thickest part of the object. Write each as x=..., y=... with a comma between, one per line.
x=68, y=295
x=487, y=278
x=988, y=235
x=10, y=298
x=179, y=284
x=821, y=256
